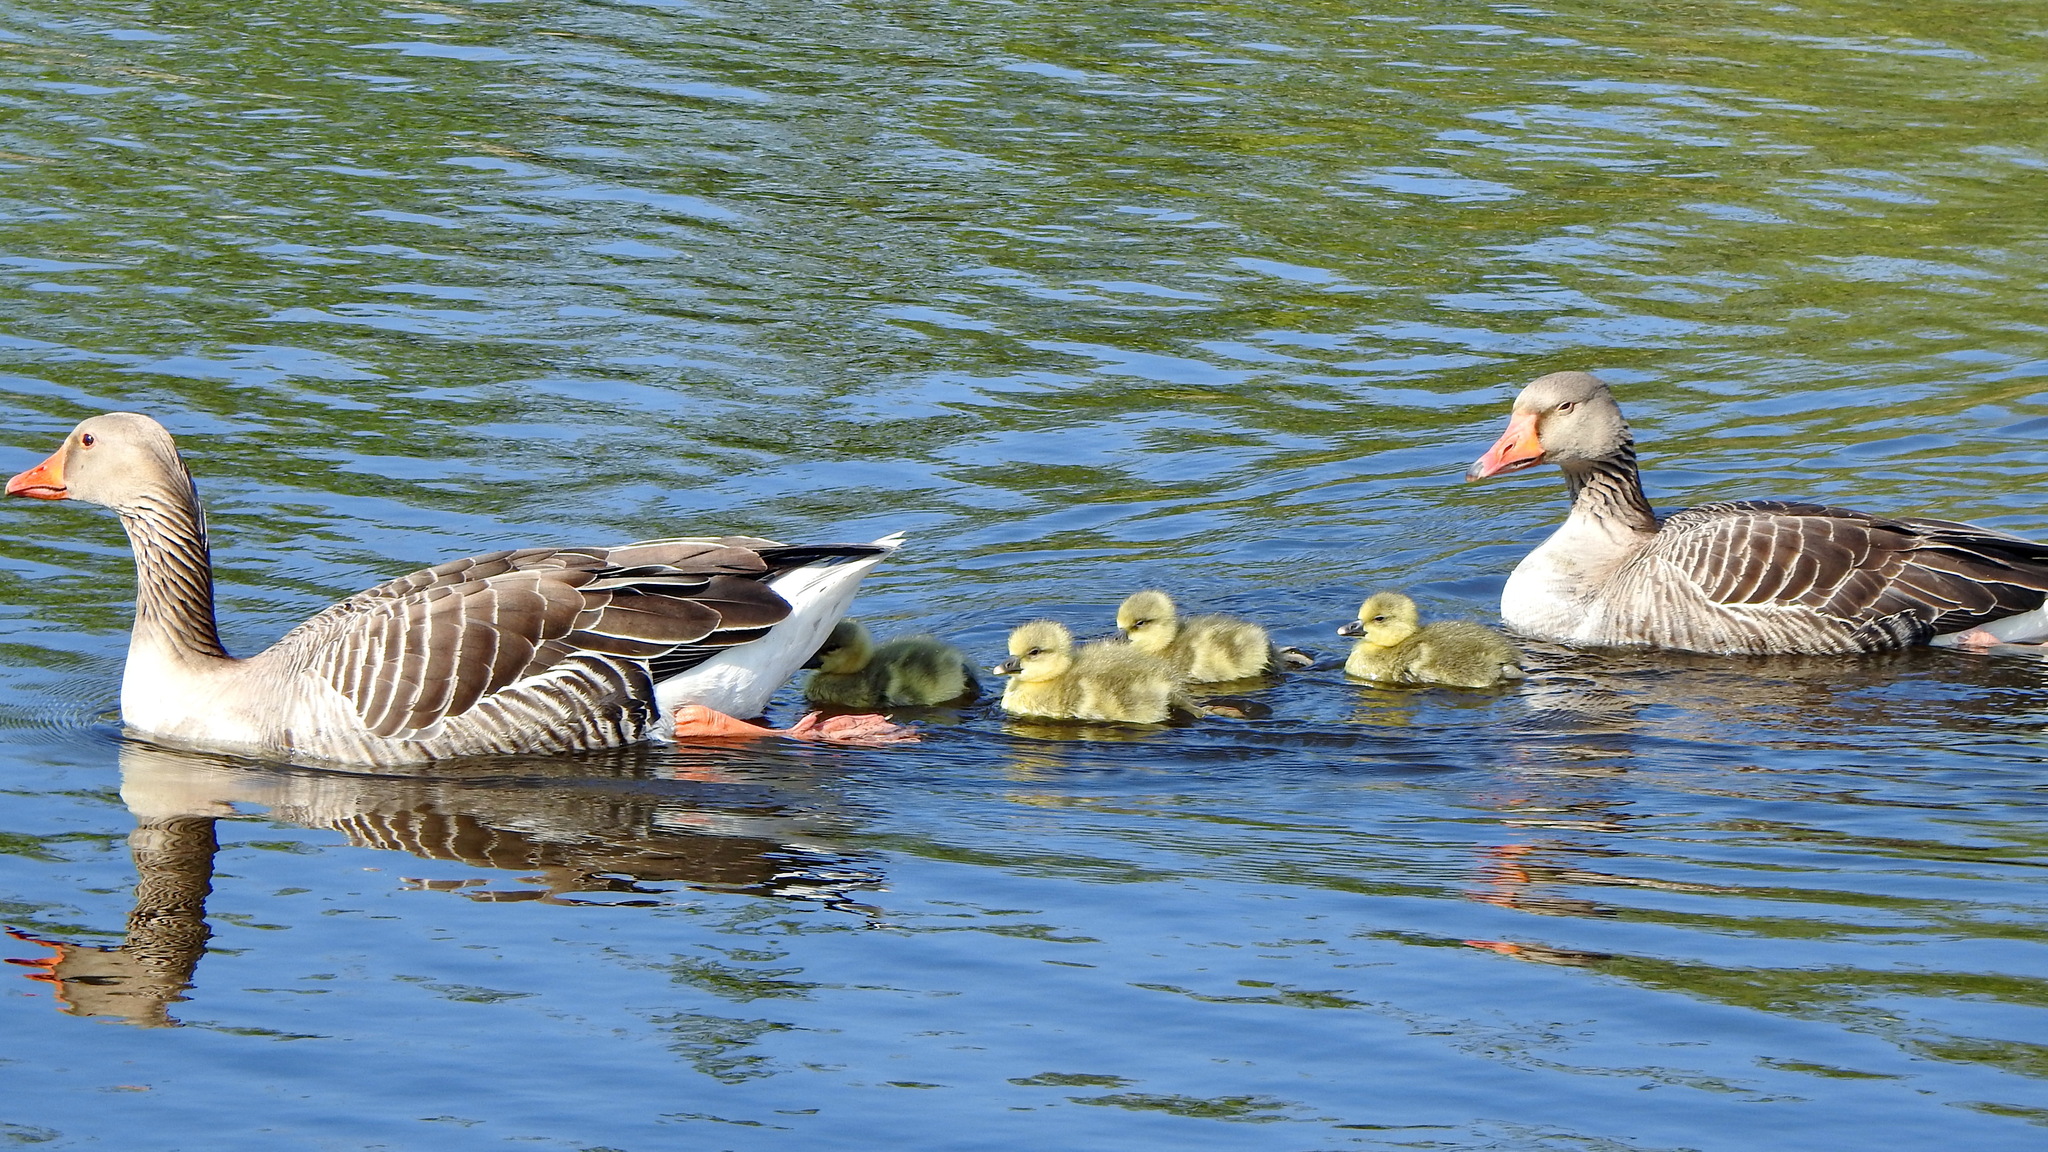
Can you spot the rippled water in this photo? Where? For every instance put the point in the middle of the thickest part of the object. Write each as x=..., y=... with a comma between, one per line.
x=1217, y=297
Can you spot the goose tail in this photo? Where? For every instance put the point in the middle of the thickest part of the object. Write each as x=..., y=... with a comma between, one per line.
x=819, y=582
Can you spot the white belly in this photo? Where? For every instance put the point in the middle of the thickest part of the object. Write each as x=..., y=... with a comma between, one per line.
x=1559, y=591
x=1550, y=602
x=185, y=701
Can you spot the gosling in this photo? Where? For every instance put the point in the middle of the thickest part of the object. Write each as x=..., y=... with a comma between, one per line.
x=907, y=672
x=1203, y=649
x=1395, y=646
x=1106, y=680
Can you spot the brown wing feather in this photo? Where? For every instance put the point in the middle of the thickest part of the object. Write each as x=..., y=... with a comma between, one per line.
x=435, y=652
x=434, y=643
x=638, y=618
x=737, y=555
x=1889, y=581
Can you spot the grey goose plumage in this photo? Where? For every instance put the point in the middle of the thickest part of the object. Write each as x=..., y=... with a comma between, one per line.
x=525, y=650
x=1751, y=576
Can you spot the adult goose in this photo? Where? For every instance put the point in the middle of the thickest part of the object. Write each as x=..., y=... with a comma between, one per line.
x=1750, y=576
x=527, y=650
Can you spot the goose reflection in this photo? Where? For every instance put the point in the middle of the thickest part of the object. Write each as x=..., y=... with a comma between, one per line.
x=167, y=931
x=1569, y=846
x=626, y=822
x=1779, y=701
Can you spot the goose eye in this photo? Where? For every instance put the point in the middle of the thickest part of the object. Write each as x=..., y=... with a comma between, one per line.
x=85, y=440
x=1567, y=405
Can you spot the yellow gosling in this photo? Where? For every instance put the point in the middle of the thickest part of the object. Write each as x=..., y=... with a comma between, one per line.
x=1123, y=684
x=1040, y=671
x=1108, y=681
x=1203, y=649
x=907, y=672
x=1396, y=647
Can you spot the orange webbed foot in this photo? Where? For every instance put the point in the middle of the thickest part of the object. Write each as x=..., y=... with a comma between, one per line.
x=868, y=730
x=696, y=722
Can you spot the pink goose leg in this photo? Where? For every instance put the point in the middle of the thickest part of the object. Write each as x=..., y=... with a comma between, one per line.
x=696, y=722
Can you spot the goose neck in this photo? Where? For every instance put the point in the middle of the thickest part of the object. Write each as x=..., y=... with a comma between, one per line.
x=173, y=573
x=1610, y=490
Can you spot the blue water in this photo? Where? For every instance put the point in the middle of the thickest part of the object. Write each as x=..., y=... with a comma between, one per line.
x=1085, y=298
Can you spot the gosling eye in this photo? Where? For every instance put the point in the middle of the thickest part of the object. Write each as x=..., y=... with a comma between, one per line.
x=1034, y=652
x=1379, y=619
x=85, y=440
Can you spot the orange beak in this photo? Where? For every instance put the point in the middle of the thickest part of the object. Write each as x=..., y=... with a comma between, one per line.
x=1517, y=448
x=45, y=481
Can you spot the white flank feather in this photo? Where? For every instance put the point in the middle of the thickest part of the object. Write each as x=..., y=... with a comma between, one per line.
x=2024, y=628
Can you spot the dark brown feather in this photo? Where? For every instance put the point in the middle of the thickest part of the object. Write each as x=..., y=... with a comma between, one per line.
x=663, y=620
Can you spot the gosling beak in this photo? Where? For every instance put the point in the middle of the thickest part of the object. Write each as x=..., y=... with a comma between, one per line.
x=1009, y=667
x=1518, y=448
x=45, y=481
x=1355, y=628
x=817, y=659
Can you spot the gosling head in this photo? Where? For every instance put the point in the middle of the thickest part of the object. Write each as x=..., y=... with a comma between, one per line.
x=848, y=649
x=1148, y=620
x=1040, y=650
x=1384, y=620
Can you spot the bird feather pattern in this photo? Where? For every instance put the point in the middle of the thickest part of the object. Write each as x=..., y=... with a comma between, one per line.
x=545, y=622
x=1831, y=579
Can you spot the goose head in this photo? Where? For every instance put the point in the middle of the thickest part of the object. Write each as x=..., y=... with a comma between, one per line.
x=848, y=649
x=1040, y=650
x=1562, y=418
x=119, y=461
x=1384, y=620
x=1148, y=620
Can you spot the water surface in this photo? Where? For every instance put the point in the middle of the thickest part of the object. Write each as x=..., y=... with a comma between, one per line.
x=1085, y=297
